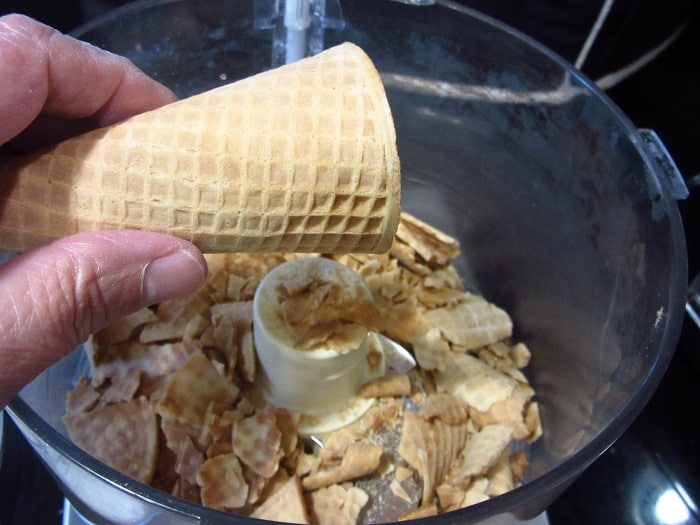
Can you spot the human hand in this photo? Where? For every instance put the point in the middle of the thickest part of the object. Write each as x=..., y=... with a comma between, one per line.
x=54, y=297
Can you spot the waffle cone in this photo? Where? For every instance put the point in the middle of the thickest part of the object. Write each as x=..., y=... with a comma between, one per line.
x=300, y=158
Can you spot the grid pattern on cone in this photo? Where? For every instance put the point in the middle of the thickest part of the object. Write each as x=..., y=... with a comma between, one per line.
x=300, y=158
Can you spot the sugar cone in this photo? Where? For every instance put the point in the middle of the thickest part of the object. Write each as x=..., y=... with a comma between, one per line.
x=300, y=158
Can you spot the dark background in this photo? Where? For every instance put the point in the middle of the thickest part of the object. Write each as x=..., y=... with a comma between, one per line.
x=658, y=454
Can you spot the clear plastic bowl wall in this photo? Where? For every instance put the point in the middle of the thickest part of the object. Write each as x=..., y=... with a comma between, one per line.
x=563, y=219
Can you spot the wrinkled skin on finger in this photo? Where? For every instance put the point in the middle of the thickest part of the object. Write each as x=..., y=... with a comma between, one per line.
x=53, y=86
x=54, y=297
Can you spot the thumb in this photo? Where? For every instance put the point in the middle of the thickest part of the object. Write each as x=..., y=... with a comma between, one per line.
x=54, y=297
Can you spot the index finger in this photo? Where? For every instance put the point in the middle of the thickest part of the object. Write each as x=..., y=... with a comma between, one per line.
x=44, y=71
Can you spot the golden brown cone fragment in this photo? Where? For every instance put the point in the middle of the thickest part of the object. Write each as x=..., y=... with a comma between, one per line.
x=301, y=158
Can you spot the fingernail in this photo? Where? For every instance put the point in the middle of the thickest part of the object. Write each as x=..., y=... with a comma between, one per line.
x=172, y=276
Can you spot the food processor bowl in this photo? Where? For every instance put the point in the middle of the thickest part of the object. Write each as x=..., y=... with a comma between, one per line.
x=565, y=217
